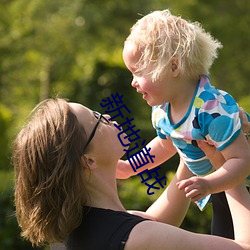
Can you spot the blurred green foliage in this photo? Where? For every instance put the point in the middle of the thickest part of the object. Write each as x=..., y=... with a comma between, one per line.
x=72, y=48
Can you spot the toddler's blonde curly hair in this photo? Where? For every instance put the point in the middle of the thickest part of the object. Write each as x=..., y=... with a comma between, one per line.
x=161, y=36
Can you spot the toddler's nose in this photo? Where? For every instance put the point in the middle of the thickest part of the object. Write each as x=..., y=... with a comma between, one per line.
x=134, y=83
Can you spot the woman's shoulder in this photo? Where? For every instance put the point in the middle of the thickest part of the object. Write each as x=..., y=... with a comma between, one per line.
x=110, y=227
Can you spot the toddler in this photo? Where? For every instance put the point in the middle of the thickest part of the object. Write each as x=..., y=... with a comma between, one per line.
x=170, y=59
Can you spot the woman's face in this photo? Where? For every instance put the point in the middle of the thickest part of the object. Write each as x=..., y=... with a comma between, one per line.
x=105, y=141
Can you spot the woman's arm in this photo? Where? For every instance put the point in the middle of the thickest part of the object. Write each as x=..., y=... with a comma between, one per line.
x=239, y=203
x=160, y=236
x=171, y=207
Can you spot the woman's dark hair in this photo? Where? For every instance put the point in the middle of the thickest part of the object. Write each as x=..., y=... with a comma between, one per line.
x=49, y=180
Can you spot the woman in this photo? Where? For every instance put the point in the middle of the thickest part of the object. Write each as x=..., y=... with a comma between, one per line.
x=65, y=189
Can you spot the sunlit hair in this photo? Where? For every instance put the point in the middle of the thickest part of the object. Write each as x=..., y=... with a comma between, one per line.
x=160, y=36
x=49, y=186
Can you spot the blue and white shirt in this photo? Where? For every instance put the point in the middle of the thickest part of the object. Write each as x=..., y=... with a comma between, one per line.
x=213, y=115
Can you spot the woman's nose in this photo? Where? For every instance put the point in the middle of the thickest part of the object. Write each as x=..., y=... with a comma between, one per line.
x=107, y=116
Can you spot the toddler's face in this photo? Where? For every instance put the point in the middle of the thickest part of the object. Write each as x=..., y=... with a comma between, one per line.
x=152, y=92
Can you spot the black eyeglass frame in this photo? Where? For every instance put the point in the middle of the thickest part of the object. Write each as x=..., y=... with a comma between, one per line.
x=100, y=118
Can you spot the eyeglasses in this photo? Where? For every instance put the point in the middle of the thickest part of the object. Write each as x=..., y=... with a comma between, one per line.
x=100, y=118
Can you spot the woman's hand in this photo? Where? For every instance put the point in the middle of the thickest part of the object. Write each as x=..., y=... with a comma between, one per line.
x=245, y=124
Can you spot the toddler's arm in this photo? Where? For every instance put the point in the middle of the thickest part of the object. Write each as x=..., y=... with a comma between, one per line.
x=161, y=149
x=234, y=171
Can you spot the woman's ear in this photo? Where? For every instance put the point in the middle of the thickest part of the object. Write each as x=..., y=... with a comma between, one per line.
x=90, y=161
x=175, y=66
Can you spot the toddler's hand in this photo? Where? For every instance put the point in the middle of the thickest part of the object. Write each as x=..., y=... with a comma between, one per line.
x=195, y=187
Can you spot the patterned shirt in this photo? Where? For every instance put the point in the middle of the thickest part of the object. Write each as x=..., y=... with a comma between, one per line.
x=213, y=115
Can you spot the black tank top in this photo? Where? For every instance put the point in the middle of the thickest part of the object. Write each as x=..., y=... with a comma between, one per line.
x=102, y=229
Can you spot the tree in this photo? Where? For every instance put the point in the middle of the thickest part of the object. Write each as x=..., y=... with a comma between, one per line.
x=72, y=48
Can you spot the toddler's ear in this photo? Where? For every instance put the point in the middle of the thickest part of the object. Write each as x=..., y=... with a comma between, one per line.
x=175, y=66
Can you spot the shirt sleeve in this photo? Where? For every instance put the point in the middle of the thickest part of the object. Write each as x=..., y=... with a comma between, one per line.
x=219, y=120
x=159, y=121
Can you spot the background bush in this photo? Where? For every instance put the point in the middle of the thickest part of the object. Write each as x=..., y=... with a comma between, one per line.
x=73, y=48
